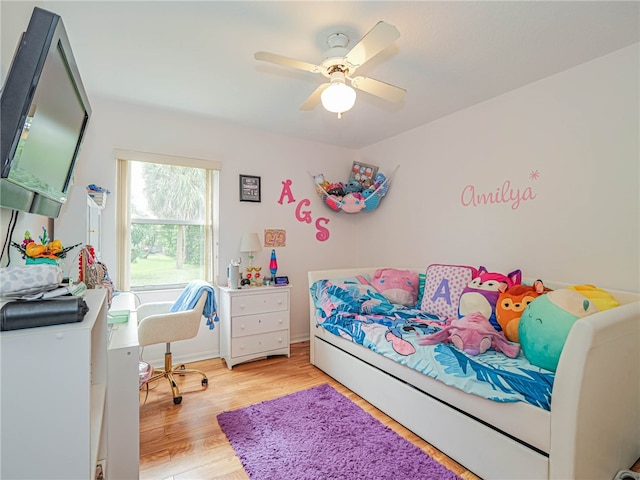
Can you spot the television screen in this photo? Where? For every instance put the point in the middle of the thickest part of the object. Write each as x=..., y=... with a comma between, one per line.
x=44, y=115
x=50, y=133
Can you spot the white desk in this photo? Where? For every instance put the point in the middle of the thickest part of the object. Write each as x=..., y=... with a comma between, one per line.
x=52, y=383
x=123, y=399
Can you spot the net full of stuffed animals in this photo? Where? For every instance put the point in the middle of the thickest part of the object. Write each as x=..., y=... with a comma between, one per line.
x=353, y=196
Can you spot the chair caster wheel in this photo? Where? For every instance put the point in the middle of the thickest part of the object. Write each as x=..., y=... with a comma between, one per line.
x=205, y=382
x=177, y=400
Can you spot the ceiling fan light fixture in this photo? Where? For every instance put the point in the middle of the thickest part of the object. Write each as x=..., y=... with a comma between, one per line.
x=341, y=64
x=338, y=97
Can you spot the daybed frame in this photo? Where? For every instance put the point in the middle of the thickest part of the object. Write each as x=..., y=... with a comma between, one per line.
x=592, y=430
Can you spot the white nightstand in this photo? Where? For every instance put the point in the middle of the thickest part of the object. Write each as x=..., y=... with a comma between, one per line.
x=254, y=323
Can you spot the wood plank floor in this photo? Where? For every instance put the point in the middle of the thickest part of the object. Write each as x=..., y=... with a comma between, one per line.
x=184, y=442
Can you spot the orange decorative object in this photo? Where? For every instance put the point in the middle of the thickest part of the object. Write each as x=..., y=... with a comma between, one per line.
x=52, y=250
x=55, y=247
x=35, y=250
x=31, y=250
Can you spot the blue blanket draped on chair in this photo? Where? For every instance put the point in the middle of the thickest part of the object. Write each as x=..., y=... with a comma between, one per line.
x=190, y=296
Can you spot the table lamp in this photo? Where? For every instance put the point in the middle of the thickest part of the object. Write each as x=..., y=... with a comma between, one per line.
x=273, y=265
x=250, y=243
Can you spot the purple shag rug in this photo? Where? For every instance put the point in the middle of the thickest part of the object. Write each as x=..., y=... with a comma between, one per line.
x=321, y=434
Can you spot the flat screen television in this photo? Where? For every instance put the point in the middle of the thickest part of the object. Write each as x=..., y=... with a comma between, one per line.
x=44, y=112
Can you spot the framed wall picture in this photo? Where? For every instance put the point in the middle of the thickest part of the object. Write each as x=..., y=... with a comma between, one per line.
x=249, y=188
x=363, y=173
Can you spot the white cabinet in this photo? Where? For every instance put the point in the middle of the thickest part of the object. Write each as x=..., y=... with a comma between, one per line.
x=254, y=323
x=94, y=226
x=53, y=396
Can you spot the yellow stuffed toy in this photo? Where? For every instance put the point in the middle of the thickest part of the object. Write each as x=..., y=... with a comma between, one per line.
x=600, y=298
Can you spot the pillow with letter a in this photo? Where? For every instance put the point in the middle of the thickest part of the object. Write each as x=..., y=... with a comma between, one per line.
x=443, y=287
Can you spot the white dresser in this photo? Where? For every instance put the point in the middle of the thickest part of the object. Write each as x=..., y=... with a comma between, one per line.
x=254, y=323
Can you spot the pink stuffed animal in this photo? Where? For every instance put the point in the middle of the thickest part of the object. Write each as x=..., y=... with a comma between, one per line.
x=352, y=203
x=481, y=293
x=397, y=286
x=472, y=334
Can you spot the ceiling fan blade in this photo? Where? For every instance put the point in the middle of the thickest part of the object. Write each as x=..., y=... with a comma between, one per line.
x=377, y=39
x=287, y=62
x=314, y=99
x=378, y=88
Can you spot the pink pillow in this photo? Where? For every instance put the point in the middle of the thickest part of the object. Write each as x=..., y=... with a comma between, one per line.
x=397, y=286
x=443, y=286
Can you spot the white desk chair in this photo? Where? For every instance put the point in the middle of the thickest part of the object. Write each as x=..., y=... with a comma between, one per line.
x=157, y=324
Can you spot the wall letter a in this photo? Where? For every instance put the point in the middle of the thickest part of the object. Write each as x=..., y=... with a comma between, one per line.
x=286, y=192
x=442, y=292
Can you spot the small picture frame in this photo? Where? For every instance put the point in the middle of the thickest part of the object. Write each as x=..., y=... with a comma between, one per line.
x=249, y=188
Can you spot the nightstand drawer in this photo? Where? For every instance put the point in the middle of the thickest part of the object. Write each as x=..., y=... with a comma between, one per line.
x=259, y=343
x=260, y=323
x=259, y=303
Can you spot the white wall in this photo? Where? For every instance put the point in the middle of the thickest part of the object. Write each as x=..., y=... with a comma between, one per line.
x=578, y=129
x=273, y=158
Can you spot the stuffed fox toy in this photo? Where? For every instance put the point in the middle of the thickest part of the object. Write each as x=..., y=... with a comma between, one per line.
x=511, y=304
x=481, y=293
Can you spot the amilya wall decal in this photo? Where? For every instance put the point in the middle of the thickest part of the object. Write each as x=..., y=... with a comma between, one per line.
x=303, y=215
x=505, y=193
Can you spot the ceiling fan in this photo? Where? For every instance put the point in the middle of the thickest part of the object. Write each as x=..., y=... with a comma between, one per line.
x=340, y=65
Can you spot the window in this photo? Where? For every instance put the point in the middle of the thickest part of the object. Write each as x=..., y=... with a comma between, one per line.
x=166, y=220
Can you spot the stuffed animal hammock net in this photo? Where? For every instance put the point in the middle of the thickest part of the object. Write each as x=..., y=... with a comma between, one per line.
x=346, y=198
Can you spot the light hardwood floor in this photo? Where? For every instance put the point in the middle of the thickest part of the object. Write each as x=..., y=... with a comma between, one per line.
x=184, y=442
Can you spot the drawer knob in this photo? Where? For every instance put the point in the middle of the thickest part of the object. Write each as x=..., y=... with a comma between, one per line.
x=242, y=306
x=279, y=302
x=242, y=327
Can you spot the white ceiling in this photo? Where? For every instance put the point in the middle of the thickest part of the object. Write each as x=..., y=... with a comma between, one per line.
x=197, y=56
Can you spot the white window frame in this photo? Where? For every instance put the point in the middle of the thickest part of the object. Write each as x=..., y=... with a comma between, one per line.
x=123, y=220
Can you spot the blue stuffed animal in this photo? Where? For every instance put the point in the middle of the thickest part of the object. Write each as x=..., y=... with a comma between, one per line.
x=353, y=186
x=546, y=323
x=381, y=181
x=371, y=199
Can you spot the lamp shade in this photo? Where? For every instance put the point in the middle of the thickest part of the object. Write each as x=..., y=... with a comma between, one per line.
x=250, y=243
x=338, y=97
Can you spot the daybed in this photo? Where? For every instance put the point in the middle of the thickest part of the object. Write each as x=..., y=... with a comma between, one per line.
x=592, y=429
